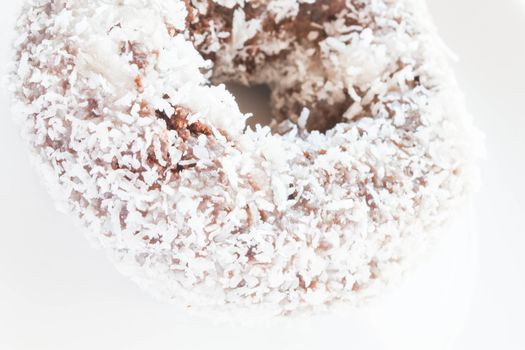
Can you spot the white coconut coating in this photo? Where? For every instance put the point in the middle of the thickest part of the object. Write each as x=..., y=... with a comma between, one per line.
x=156, y=161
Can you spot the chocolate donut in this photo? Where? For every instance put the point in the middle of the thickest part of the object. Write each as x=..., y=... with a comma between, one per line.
x=124, y=107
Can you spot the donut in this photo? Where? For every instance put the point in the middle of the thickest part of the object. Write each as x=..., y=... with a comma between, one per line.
x=124, y=106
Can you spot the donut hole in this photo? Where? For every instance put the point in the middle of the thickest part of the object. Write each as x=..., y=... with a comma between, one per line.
x=254, y=99
x=271, y=107
x=256, y=45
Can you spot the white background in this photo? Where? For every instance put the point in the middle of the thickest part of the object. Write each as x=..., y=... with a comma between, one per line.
x=58, y=293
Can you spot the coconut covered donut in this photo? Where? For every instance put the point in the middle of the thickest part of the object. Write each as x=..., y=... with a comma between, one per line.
x=370, y=147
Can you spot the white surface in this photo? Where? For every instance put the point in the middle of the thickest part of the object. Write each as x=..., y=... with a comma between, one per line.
x=58, y=293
